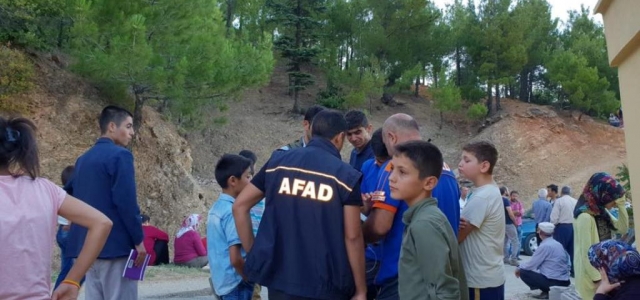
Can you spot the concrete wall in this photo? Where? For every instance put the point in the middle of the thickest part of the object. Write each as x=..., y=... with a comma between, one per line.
x=622, y=29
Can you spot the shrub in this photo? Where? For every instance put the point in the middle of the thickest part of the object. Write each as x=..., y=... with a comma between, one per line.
x=477, y=111
x=16, y=76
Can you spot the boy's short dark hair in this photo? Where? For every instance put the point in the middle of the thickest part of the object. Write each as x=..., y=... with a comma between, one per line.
x=113, y=114
x=503, y=190
x=328, y=123
x=66, y=175
x=426, y=157
x=356, y=119
x=145, y=218
x=312, y=112
x=377, y=145
x=553, y=188
x=248, y=154
x=483, y=151
x=230, y=165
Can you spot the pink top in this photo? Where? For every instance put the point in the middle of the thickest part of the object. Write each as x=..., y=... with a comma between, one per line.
x=516, y=206
x=27, y=226
x=188, y=247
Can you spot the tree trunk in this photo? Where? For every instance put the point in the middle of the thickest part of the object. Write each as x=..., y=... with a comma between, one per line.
x=297, y=66
x=137, y=111
x=530, y=89
x=229, y=16
x=417, y=91
x=498, y=106
x=524, y=85
x=489, y=98
x=435, y=79
x=458, y=75
x=441, y=120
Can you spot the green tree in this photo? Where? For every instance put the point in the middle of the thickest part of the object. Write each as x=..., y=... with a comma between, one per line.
x=39, y=24
x=173, y=53
x=299, y=22
x=447, y=98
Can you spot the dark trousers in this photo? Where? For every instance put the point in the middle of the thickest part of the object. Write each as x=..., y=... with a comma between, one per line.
x=389, y=290
x=372, y=268
x=564, y=235
x=277, y=295
x=538, y=239
x=494, y=293
x=161, y=248
x=537, y=281
x=65, y=262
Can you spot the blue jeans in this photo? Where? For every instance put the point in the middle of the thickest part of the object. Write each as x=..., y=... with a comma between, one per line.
x=244, y=291
x=389, y=290
x=65, y=262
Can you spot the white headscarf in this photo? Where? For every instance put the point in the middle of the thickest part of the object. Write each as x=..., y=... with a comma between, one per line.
x=190, y=223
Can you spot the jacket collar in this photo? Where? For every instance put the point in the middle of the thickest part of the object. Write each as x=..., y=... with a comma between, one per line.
x=325, y=145
x=409, y=214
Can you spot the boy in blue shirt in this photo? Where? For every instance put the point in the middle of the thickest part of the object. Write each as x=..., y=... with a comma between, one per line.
x=226, y=257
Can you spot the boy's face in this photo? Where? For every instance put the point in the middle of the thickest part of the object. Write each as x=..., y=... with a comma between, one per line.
x=360, y=136
x=404, y=180
x=470, y=168
x=123, y=133
x=238, y=184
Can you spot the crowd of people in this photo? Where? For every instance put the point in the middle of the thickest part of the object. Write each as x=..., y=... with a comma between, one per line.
x=393, y=223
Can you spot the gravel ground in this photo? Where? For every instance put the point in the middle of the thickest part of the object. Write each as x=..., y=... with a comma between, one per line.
x=198, y=288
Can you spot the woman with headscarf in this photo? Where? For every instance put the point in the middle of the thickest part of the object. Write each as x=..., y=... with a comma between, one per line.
x=188, y=248
x=619, y=266
x=594, y=223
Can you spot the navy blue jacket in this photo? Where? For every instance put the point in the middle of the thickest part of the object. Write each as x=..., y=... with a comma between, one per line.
x=299, y=249
x=357, y=159
x=104, y=178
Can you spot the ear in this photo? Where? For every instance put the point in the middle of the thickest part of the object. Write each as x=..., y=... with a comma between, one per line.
x=112, y=127
x=232, y=181
x=485, y=166
x=306, y=125
x=429, y=183
x=338, y=140
x=369, y=128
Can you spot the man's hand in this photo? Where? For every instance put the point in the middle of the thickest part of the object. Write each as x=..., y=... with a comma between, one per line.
x=142, y=255
x=360, y=296
x=605, y=286
x=517, y=273
x=65, y=291
x=367, y=203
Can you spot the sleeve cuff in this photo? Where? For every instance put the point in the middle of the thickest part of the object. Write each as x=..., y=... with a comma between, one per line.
x=385, y=206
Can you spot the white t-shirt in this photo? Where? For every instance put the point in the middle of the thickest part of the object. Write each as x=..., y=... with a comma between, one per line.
x=62, y=221
x=482, y=250
x=27, y=226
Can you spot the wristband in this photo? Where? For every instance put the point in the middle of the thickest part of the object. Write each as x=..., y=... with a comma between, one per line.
x=72, y=282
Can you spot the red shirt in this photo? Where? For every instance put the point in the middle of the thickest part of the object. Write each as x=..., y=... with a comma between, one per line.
x=188, y=247
x=151, y=234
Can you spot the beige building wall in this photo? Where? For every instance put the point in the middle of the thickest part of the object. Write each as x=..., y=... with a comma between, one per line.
x=622, y=30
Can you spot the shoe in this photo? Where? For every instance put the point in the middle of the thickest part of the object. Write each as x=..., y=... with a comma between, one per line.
x=543, y=295
x=506, y=261
x=518, y=258
x=514, y=262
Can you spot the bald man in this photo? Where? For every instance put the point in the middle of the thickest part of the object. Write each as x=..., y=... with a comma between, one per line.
x=385, y=220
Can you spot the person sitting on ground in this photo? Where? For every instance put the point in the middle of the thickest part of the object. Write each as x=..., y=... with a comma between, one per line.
x=306, y=125
x=233, y=173
x=188, y=248
x=30, y=205
x=619, y=266
x=594, y=223
x=430, y=265
x=614, y=121
x=549, y=266
x=156, y=242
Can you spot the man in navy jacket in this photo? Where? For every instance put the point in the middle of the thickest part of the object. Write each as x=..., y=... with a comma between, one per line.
x=105, y=179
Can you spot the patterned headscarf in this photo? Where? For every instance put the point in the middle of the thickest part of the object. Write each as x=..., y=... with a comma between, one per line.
x=601, y=190
x=619, y=260
x=190, y=223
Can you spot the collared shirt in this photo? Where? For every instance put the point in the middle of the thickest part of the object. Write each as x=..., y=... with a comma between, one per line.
x=256, y=216
x=359, y=157
x=562, y=212
x=550, y=260
x=516, y=206
x=430, y=265
x=222, y=234
x=541, y=210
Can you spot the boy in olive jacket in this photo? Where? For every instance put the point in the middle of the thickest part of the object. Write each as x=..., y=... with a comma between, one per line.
x=430, y=265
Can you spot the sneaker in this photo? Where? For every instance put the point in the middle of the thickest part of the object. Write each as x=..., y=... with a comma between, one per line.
x=543, y=295
x=506, y=261
x=514, y=262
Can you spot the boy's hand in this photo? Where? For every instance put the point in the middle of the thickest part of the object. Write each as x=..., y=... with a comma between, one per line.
x=464, y=223
x=367, y=202
x=359, y=296
x=65, y=292
x=517, y=273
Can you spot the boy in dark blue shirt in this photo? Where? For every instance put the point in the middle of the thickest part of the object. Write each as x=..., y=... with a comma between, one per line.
x=309, y=245
x=359, y=135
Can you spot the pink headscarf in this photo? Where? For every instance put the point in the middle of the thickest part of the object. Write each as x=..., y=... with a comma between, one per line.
x=190, y=223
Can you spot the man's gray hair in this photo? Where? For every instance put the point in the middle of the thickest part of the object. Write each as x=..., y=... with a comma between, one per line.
x=566, y=190
x=542, y=193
